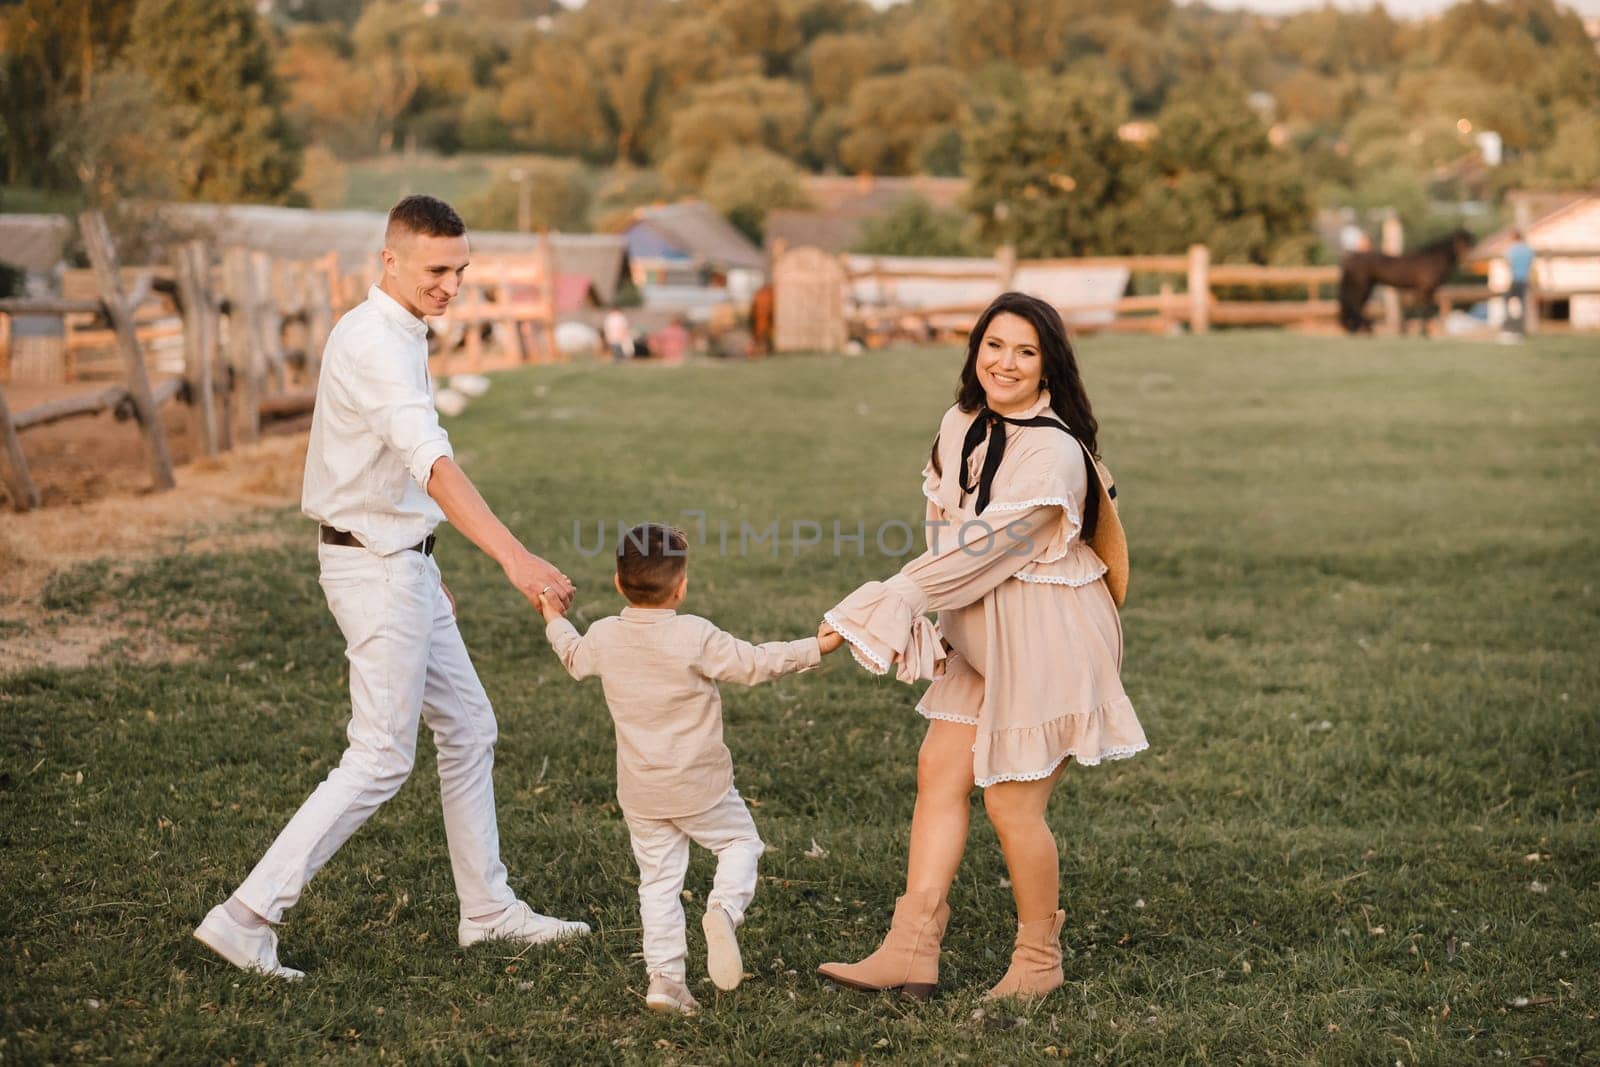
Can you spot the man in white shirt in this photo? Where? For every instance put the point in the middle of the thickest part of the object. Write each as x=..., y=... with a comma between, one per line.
x=380, y=475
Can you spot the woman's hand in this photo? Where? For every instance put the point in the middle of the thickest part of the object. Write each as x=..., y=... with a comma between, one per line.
x=828, y=639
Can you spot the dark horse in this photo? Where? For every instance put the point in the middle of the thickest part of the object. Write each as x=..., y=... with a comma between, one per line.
x=1421, y=273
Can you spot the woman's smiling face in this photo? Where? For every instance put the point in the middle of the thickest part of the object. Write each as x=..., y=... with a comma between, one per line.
x=1010, y=365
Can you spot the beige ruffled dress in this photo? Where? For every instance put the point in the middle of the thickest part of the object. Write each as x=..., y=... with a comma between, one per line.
x=1035, y=641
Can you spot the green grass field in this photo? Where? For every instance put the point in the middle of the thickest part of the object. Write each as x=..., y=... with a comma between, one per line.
x=1361, y=637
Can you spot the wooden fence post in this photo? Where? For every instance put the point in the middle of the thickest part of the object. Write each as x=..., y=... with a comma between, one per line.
x=1005, y=266
x=103, y=257
x=1199, y=289
x=243, y=344
x=188, y=261
x=268, y=318
x=23, y=492
x=1392, y=242
x=319, y=321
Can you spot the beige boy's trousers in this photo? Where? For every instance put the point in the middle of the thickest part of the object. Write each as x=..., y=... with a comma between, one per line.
x=661, y=847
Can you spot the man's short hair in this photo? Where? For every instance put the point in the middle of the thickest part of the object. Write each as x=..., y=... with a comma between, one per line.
x=651, y=560
x=425, y=215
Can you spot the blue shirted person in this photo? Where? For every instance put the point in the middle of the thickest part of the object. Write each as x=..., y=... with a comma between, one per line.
x=1519, y=257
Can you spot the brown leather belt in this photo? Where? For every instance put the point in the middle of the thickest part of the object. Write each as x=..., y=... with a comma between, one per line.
x=331, y=536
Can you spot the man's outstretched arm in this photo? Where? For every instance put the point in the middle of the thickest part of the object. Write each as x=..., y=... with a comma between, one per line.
x=464, y=506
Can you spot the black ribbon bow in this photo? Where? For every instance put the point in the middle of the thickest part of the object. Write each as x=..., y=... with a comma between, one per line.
x=992, y=424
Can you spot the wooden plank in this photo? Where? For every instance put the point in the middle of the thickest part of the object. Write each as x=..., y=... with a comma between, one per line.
x=28, y=305
x=319, y=321
x=103, y=255
x=1271, y=312
x=24, y=494
x=71, y=407
x=268, y=320
x=1135, y=264
x=1199, y=269
x=190, y=261
x=287, y=405
x=243, y=356
x=1265, y=277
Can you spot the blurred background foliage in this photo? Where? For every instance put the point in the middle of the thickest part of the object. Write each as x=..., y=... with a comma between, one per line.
x=1083, y=127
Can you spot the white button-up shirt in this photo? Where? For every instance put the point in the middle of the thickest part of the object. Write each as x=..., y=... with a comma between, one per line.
x=374, y=433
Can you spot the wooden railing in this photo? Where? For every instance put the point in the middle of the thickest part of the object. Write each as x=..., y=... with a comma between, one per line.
x=232, y=318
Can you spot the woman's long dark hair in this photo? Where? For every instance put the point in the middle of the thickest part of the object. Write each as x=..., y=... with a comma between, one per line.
x=1059, y=366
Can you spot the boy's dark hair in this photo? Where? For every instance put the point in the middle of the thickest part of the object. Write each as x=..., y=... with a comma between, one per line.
x=426, y=215
x=651, y=560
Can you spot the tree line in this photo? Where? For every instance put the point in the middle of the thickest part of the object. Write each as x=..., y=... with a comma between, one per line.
x=1083, y=127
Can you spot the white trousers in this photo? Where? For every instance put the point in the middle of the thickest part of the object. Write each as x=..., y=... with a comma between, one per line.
x=661, y=846
x=407, y=660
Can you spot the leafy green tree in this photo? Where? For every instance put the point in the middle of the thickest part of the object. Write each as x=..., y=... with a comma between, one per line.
x=1049, y=174
x=116, y=143
x=212, y=67
x=747, y=182
x=549, y=99
x=836, y=63
x=558, y=191
x=895, y=120
x=1219, y=181
x=51, y=53
x=624, y=188
x=914, y=227
x=735, y=112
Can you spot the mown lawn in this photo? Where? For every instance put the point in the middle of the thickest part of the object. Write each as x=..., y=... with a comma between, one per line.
x=1361, y=638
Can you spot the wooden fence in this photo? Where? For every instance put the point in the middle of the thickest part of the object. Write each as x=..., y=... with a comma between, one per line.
x=251, y=329
x=1198, y=305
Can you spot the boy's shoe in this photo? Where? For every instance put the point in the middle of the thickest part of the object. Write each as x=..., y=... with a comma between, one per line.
x=252, y=948
x=723, y=961
x=670, y=996
x=519, y=923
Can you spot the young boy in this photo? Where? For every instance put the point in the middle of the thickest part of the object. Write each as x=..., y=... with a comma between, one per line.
x=659, y=671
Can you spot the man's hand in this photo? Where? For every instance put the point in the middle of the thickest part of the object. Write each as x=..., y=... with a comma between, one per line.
x=828, y=639
x=464, y=507
x=450, y=597
x=534, y=577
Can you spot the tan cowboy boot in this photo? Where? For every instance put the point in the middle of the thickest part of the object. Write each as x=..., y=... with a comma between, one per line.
x=908, y=959
x=1035, y=962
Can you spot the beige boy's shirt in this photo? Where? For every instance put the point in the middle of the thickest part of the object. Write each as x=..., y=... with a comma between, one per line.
x=659, y=671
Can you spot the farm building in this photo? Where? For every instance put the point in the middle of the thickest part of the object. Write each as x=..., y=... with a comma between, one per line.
x=842, y=206
x=687, y=257
x=1564, y=231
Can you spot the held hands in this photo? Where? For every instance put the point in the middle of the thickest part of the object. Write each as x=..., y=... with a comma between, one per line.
x=828, y=639
x=535, y=578
x=549, y=610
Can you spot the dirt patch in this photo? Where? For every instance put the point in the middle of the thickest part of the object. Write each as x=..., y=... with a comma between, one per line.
x=207, y=512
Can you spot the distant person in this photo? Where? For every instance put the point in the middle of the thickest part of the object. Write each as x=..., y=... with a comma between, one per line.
x=380, y=476
x=675, y=785
x=762, y=313
x=1519, y=257
x=671, y=342
x=618, y=335
x=1353, y=238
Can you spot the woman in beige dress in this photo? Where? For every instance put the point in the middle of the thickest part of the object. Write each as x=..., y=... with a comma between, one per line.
x=1026, y=675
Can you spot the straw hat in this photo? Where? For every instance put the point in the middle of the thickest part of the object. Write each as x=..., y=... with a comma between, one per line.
x=1109, y=542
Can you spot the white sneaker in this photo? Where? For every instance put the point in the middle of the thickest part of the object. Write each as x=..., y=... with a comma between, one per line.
x=670, y=996
x=723, y=961
x=252, y=948
x=519, y=923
